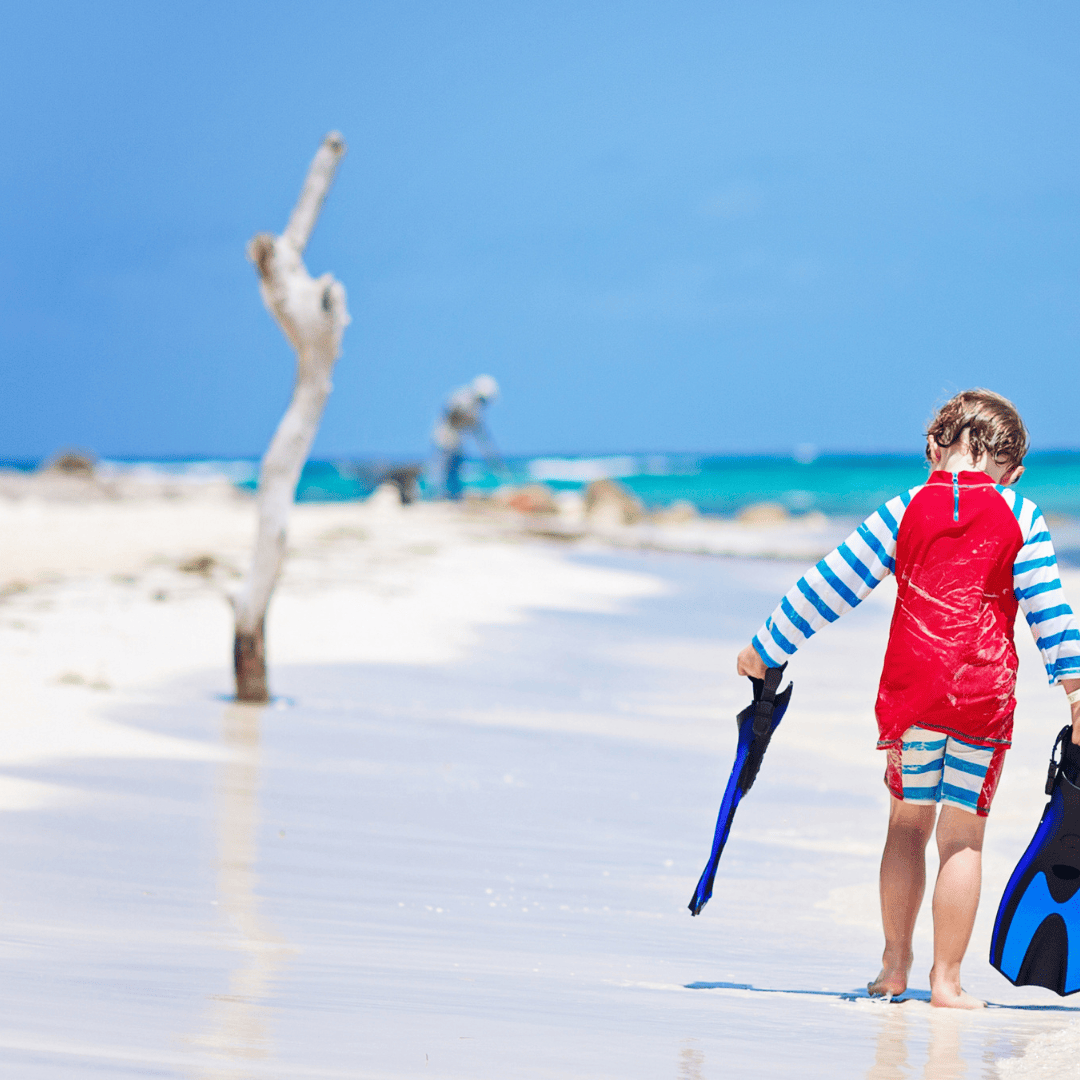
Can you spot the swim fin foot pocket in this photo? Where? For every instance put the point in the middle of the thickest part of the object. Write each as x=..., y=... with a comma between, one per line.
x=761, y=714
x=756, y=724
x=1036, y=939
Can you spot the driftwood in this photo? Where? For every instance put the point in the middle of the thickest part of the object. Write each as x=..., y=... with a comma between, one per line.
x=312, y=314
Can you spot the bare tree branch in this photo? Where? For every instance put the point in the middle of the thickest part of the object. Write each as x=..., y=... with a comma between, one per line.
x=319, y=178
x=312, y=314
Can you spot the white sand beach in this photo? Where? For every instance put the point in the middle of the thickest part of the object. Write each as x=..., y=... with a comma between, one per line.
x=461, y=840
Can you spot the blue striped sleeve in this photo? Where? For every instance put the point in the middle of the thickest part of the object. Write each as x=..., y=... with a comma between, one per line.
x=877, y=547
x=890, y=521
x=797, y=620
x=839, y=586
x=816, y=602
x=1033, y=564
x=839, y=582
x=776, y=636
x=1067, y=668
x=1048, y=613
x=1038, y=590
x=1051, y=640
x=849, y=557
x=763, y=653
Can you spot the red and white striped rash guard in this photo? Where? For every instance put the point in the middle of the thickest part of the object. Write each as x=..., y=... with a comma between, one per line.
x=966, y=553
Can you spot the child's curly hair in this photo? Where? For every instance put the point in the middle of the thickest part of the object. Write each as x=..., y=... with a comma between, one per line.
x=993, y=425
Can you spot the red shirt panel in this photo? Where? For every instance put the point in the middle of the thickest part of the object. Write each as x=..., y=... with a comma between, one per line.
x=951, y=663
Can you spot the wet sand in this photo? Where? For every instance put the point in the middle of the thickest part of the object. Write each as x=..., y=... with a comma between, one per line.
x=462, y=841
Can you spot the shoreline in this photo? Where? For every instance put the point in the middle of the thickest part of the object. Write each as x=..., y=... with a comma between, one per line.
x=46, y=539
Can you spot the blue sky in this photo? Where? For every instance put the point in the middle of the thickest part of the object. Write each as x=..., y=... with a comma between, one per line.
x=689, y=226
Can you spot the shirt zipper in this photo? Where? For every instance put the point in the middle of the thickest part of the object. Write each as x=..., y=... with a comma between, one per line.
x=956, y=496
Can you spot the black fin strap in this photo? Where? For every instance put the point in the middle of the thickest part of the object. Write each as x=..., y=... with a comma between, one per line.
x=766, y=704
x=1056, y=763
x=772, y=679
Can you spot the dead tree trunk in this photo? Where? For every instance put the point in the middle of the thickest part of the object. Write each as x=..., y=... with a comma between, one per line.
x=312, y=314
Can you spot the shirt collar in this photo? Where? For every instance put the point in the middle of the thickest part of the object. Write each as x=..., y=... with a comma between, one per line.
x=969, y=477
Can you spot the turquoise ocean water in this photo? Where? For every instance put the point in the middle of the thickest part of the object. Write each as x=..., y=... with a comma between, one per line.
x=845, y=485
x=850, y=485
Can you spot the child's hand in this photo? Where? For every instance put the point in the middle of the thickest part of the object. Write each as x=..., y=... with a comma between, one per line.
x=750, y=663
x=1071, y=686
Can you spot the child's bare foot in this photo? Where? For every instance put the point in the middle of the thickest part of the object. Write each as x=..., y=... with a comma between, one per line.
x=948, y=1000
x=947, y=993
x=891, y=980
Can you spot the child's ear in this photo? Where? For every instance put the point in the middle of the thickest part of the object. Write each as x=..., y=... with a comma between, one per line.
x=1014, y=476
x=933, y=451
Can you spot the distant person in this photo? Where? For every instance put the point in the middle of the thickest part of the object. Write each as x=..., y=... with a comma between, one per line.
x=967, y=552
x=464, y=415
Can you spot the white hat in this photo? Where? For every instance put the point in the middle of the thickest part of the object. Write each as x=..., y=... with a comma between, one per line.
x=484, y=386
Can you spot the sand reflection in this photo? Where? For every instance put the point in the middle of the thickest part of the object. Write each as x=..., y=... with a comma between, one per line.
x=239, y=1027
x=691, y=1061
x=891, y=1057
x=943, y=1058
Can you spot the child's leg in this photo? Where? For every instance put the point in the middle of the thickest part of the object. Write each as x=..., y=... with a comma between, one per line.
x=956, y=899
x=903, y=881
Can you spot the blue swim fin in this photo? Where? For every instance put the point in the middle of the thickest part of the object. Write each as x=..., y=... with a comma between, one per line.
x=1036, y=938
x=757, y=722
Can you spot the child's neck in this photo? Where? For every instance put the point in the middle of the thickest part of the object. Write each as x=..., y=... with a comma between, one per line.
x=959, y=461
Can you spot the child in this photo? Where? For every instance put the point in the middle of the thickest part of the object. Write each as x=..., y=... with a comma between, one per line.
x=966, y=551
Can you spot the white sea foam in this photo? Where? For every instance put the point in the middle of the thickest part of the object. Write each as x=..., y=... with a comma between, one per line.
x=235, y=470
x=582, y=470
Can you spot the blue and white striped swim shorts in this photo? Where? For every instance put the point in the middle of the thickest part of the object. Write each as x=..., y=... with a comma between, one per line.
x=929, y=767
